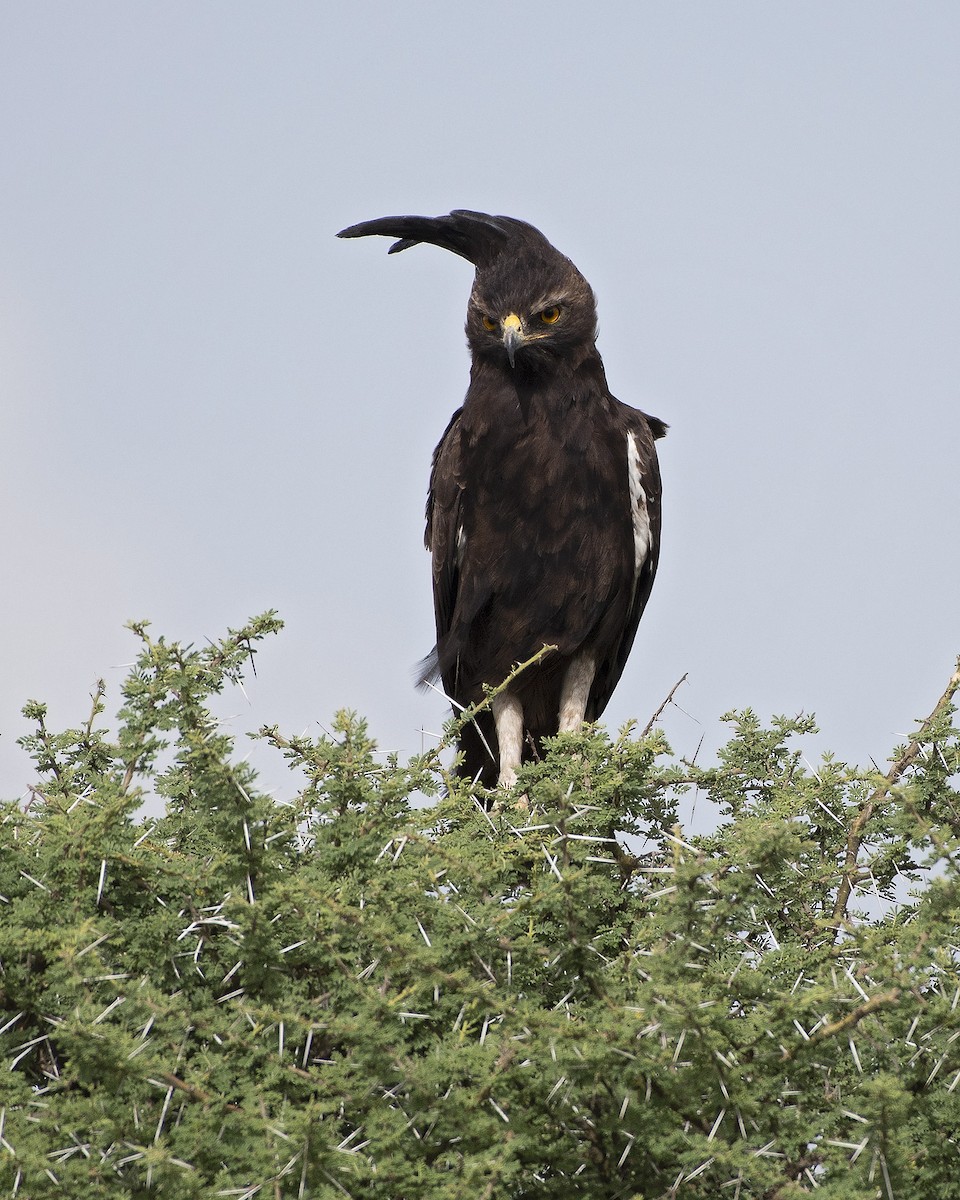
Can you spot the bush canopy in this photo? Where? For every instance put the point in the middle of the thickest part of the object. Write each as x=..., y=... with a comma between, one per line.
x=352, y=991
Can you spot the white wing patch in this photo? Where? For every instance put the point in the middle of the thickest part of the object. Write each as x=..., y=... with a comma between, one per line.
x=638, y=506
x=461, y=544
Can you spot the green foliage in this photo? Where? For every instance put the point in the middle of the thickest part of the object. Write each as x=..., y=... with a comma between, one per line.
x=354, y=993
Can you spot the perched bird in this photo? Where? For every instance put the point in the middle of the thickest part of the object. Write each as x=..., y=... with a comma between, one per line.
x=543, y=514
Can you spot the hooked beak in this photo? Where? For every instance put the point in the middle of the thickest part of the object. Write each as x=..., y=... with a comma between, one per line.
x=513, y=336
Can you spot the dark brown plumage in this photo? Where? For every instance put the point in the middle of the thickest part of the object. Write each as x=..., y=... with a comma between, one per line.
x=543, y=516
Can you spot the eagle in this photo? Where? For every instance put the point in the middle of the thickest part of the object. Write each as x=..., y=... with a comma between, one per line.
x=543, y=511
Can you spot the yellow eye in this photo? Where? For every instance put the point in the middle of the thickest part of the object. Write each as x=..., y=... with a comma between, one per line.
x=550, y=315
x=489, y=323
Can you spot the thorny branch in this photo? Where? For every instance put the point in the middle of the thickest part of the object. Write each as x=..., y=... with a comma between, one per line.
x=891, y=779
x=471, y=712
x=195, y=1093
x=851, y=1018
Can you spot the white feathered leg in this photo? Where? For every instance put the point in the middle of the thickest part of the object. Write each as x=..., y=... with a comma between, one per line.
x=576, y=692
x=508, y=718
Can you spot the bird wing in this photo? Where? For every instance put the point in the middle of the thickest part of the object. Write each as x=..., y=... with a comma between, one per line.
x=444, y=534
x=645, y=492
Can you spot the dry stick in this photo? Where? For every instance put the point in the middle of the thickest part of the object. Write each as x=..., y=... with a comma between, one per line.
x=656, y=716
x=855, y=833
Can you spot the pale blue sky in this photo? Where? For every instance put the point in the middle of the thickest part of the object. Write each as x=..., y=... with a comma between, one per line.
x=210, y=406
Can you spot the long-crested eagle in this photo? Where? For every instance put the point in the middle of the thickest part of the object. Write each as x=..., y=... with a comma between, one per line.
x=543, y=514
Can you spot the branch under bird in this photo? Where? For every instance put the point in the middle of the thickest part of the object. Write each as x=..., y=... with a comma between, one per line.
x=543, y=514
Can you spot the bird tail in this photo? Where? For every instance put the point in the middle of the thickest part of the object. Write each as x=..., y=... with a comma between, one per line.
x=427, y=672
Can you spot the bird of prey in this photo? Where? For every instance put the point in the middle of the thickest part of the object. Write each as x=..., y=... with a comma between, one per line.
x=543, y=514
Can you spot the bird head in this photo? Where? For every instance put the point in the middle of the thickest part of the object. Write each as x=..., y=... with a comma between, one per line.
x=529, y=307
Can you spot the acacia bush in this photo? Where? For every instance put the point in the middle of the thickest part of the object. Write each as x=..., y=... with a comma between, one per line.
x=351, y=992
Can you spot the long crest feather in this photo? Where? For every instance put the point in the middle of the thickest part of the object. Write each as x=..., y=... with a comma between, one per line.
x=478, y=237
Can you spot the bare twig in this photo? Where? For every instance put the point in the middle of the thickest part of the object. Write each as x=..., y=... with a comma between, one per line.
x=96, y=707
x=656, y=716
